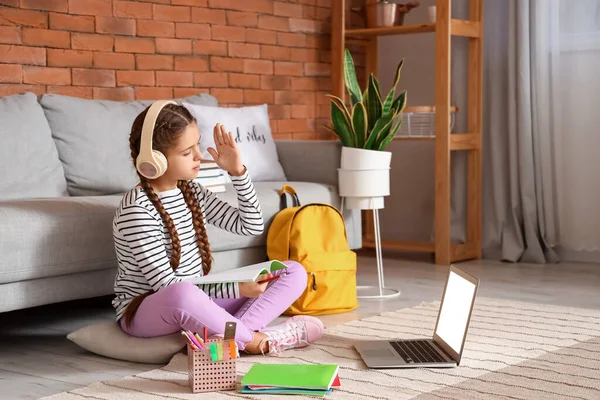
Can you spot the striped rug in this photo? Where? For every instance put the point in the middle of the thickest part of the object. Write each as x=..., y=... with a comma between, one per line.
x=514, y=350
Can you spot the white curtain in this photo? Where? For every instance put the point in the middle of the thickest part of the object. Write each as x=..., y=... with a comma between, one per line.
x=541, y=129
x=577, y=26
x=519, y=116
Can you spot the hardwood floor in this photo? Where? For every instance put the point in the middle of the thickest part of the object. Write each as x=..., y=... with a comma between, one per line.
x=37, y=360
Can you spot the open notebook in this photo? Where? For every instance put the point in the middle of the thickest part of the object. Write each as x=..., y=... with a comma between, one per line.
x=248, y=273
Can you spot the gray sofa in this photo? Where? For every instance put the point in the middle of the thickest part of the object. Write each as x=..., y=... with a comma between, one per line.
x=64, y=164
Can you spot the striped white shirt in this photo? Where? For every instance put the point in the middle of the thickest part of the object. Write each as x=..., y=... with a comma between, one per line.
x=143, y=243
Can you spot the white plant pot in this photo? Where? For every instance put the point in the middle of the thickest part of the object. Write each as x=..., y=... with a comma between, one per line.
x=353, y=158
x=364, y=183
x=364, y=178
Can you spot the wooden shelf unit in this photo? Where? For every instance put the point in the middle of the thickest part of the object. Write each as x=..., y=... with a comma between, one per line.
x=444, y=28
x=458, y=27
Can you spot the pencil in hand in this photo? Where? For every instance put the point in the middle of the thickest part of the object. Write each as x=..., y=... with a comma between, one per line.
x=273, y=278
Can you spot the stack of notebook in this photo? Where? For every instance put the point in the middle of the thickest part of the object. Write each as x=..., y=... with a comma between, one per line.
x=304, y=379
x=212, y=177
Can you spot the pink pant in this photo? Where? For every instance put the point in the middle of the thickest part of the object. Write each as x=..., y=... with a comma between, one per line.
x=184, y=306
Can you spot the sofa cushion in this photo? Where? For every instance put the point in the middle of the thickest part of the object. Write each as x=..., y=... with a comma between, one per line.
x=29, y=164
x=92, y=137
x=48, y=237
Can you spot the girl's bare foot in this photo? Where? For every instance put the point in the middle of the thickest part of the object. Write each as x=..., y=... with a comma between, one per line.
x=254, y=347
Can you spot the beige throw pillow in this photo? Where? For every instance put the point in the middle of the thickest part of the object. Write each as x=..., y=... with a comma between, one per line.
x=109, y=340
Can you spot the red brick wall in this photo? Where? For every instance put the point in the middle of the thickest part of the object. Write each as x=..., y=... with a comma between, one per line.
x=241, y=51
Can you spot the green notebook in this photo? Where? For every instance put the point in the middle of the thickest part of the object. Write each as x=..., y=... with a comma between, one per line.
x=299, y=376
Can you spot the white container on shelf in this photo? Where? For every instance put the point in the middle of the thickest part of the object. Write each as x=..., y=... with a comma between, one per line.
x=431, y=11
x=419, y=121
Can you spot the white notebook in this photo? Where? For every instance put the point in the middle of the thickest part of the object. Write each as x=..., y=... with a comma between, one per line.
x=249, y=273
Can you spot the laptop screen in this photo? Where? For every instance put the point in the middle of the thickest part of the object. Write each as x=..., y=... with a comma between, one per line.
x=454, y=314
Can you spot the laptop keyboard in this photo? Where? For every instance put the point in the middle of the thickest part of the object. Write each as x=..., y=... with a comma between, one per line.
x=417, y=351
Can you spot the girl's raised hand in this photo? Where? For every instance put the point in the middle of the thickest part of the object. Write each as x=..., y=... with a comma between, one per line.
x=227, y=154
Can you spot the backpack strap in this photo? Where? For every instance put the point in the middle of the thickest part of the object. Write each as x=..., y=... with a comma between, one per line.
x=283, y=200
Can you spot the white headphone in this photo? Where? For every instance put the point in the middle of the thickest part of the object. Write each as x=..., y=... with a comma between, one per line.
x=151, y=163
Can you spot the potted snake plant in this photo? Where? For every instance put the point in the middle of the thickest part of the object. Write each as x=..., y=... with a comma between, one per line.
x=365, y=128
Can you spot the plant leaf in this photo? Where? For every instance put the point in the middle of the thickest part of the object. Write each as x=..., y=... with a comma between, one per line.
x=376, y=84
x=379, y=131
x=397, y=77
x=400, y=102
x=373, y=78
x=365, y=95
x=373, y=104
x=333, y=97
x=386, y=140
x=383, y=134
x=360, y=123
x=350, y=78
x=366, y=98
x=342, y=124
x=389, y=100
x=340, y=103
x=332, y=131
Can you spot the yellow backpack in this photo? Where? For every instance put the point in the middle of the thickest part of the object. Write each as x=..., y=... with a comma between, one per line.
x=315, y=236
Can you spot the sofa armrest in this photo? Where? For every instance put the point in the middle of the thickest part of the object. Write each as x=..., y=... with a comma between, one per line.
x=310, y=160
x=318, y=161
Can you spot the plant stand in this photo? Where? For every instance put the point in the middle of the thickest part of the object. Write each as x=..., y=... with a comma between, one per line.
x=380, y=291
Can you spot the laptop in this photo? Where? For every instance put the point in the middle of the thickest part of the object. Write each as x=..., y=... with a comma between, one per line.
x=444, y=349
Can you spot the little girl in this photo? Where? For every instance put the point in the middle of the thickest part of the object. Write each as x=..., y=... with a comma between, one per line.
x=160, y=240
